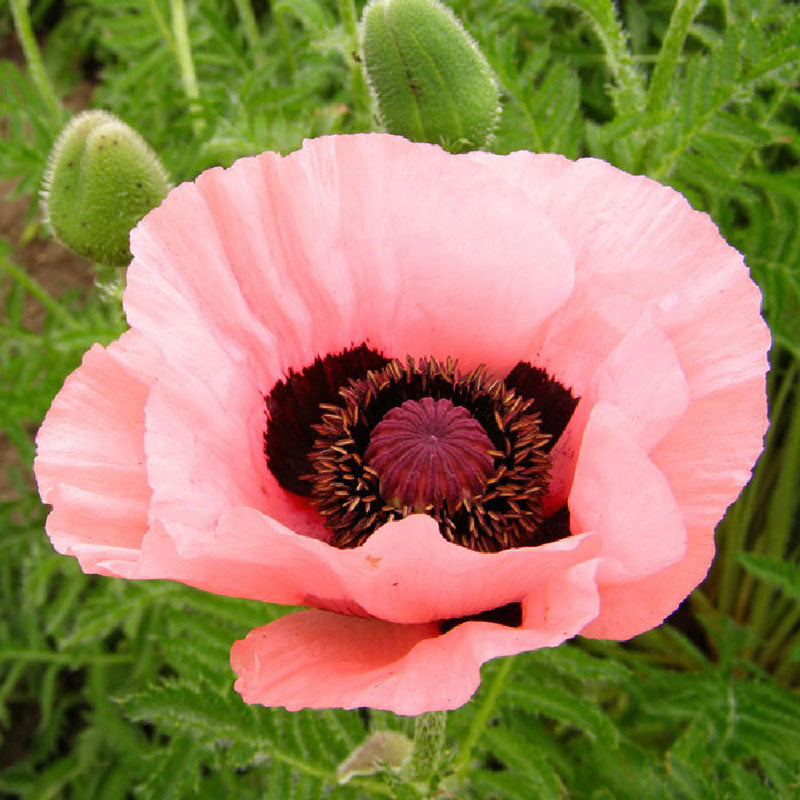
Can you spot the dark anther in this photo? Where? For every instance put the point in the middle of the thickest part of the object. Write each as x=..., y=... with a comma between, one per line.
x=509, y=615
x=293, y=409
x=554, y=401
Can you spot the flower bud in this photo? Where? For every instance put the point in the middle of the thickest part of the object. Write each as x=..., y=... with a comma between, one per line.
x=101, y=179
x=429, y=80
x=382, y=750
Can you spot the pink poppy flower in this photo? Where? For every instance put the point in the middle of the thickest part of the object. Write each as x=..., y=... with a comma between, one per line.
x=431, y=515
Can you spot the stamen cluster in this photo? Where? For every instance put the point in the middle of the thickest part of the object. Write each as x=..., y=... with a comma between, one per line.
x=502, y=504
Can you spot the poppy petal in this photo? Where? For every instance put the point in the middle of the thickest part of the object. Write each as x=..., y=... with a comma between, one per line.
x=315, y=659
x=90, y=455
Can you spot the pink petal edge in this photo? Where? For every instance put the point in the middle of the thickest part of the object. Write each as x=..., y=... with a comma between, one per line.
x=315, y=659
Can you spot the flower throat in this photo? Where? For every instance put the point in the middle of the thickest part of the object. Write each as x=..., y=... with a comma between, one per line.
x=369, y=440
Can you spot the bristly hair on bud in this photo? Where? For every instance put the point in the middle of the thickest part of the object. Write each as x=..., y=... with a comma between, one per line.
x=429, y=80
x=101, y=179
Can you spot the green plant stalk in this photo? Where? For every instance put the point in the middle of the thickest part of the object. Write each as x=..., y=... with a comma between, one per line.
x=33, y=287
x=775, y=104
x=349, y=19
x=248, y=18
x=732, y=535
x=658, y=91
x=33, y=57
x=461, y=763
x=429, y=736
x=747, y=582
x=666, y=646
x=664, y=167
x=161, y=24
x=50, y=656
x=13, y=675
x=787, y=616
x=671, y=48
x=183, y=53
x=286, y=39
x=776, y=540
x=702, y=606
x=787, y=671
x=734, y=583
x=602, y=14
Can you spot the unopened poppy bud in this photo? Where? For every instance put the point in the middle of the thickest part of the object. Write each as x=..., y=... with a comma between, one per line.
x=382, y=750
x=101, y=179
x=429, y=80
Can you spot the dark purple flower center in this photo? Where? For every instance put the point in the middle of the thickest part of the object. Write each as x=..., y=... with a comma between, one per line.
x=369, y=440
x=430, y=453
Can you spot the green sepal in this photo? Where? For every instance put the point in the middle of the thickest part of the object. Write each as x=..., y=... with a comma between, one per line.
x=429, y=81
x=101, y=179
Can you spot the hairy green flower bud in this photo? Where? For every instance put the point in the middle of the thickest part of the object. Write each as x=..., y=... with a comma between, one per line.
x=101, y=179
x=429, y=80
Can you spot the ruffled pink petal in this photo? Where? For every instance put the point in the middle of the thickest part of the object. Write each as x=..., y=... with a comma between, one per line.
x=205, y=455
x=356, y=238
x=630, y=608
x=90, y=455
x=315, y=659
x=693, y=455
x=406, y=572
x=643, y=379
x=640, y=247
x=623, y=497
x=635, y=302
x=633, y=606
x=373, y=239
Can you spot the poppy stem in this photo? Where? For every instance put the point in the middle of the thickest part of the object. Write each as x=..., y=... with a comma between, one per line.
x=429, y=736
x=349, y=20
x=483, y=714
x=33, y=57
x=183, y=52
x=251, y=32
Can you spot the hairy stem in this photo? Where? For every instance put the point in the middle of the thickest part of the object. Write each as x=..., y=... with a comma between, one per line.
x=286, y=39
x=251, y=32
x=183, y=52
x=671, y=48
x=33, y=58
x=628, y=94
x=349, y=19
x=462, y=761
x=35, y=289
x=429, y=732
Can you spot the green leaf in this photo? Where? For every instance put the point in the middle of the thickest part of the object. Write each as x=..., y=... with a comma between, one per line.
x=174, y=773
x=559, y=704
x=783, y=574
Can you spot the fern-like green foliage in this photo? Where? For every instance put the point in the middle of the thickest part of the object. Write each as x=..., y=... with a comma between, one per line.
x=113, y=690
x=608, y=725
x=783, y=574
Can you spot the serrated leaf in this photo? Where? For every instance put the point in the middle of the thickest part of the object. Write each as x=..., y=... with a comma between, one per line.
x=559, y=704
x=526, y=763
x=783, y=574
x=576, y=663
x=175, y=772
